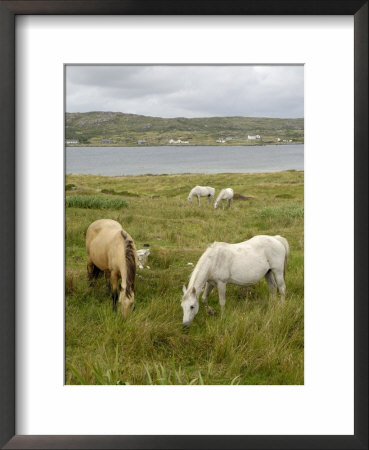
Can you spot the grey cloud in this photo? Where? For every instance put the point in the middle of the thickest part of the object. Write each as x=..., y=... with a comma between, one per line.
x=188, y=91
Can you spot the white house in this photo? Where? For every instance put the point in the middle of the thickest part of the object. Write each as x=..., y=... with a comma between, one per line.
x=221, y=141
x=71, y=141
x=179, y=141
x=252, y=138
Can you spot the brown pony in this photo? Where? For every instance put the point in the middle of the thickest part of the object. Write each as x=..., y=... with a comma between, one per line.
x=111, y=250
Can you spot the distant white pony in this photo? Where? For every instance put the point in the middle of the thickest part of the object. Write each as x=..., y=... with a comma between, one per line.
x=244, y=264
x=201, y=191
x=224, y=194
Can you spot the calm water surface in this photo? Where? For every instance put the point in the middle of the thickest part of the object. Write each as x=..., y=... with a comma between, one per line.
x=183, y=159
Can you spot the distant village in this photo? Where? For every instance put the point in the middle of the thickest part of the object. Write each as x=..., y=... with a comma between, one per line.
x=221, y=140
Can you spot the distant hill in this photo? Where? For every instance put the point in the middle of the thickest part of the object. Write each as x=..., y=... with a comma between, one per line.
x=115, y=128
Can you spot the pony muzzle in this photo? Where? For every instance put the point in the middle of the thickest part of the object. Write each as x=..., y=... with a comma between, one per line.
x=127, y=307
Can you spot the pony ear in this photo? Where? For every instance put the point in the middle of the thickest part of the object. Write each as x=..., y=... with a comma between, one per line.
x=124, y=235
x=184, y=289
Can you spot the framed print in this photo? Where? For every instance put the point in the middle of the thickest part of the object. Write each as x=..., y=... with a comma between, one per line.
x=170, y=165
x=76, y=374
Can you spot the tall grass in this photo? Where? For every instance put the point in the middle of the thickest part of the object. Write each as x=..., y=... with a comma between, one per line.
x=258, y=341
x=283, y=211
x=94, y=202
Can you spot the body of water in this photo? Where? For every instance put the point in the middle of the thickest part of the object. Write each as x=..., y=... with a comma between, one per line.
x=114, y=161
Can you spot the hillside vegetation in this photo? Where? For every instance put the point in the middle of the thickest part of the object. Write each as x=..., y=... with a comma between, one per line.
x=258, y=341
x=127, y=129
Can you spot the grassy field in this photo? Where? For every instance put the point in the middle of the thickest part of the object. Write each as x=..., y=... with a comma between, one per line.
x=258, y=341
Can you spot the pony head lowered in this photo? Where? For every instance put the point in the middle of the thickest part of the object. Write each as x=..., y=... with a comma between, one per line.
x=127, y=295
x=190, y=305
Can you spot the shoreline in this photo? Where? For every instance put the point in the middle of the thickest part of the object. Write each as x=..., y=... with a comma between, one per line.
x=182, y=145
x=181, y=174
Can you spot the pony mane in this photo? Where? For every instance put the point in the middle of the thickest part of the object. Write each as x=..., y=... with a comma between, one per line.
x=199, y=266
x=130, y=265
x=220, y=195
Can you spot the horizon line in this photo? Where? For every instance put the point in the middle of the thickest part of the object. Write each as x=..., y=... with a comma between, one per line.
x=180, y=117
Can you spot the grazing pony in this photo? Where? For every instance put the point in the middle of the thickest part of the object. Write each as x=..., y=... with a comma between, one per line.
x=244, y=264
x=111, y=250
x=224, y=194
x=201, y=191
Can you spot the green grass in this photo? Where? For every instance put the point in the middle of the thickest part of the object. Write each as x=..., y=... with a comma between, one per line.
x=112, y=192
x=258, y=341
x=94, y=202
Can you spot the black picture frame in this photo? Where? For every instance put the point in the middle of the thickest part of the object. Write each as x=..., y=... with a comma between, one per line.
x=8, y=12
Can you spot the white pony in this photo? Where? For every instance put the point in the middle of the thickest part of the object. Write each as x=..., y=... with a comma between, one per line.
x=201, y=191
x=244, y=264
x=224, y=194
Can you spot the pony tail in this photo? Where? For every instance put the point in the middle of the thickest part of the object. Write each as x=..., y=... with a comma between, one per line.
x=286, y=246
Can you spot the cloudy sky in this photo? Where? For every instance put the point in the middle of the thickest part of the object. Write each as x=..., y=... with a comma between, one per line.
x=187, y=91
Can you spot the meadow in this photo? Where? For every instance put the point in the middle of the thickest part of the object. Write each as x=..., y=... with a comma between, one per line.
x=257, y=341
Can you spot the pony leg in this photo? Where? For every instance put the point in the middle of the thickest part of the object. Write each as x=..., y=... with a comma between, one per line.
x=222, y=298
x=93, y=271
x=114, y=279
x=90, y=271
x=107, y=281
x=269, y=278
x=198, y=199
x=280, y=284
x=208, y=289
x=229, y=202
